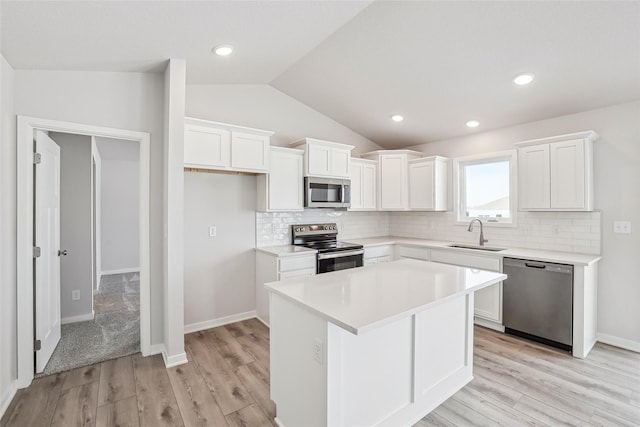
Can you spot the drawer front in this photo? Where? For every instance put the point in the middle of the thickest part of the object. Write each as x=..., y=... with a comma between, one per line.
x=297, y=263
x=466, y=260
x=297, y=273
x=378, y=251
x=413, y=252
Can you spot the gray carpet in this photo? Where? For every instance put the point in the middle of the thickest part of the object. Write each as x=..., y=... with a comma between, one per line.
x=114, y=332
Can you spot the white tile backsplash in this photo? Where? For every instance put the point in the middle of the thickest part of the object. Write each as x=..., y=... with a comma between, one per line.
x=578, y=232
x=275, y=228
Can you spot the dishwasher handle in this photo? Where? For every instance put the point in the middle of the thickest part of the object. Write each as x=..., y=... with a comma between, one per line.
x=532, y=265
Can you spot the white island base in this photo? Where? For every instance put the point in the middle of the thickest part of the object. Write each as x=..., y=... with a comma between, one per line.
x=391, y=372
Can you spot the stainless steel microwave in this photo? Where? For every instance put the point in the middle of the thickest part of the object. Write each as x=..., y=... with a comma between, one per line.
x=327, y=193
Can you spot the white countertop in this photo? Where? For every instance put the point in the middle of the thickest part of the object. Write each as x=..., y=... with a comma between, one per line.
x=361, y=299
x=286, y=250
x=533, y=254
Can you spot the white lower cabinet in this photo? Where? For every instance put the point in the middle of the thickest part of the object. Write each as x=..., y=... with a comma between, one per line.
x=488, y=301
x=378, y=254
x=412, y=252
x=271, y=267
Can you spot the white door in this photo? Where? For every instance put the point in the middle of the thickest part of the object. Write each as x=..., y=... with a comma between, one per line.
x=47, y=238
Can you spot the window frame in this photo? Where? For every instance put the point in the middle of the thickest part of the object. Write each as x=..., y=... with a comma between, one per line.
x=459, y=183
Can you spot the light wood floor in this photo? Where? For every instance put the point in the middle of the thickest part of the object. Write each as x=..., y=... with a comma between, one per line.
x=226, y=383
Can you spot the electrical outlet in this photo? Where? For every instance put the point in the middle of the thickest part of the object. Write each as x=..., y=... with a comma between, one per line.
x=213, y=231
x=317, y=350
x=623, y=227
x=75, y=295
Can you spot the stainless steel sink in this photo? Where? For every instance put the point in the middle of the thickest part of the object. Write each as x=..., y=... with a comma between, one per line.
x=476, y=247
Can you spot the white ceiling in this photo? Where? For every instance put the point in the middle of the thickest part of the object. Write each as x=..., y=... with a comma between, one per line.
x=437, y=63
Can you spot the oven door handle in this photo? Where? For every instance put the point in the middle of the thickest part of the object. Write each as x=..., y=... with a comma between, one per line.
x=340, y=254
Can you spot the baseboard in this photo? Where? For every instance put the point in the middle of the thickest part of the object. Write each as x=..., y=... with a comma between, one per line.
x=488, y=324
x=8, y=396
x=618, y=342
x=155, y=349
x=263, y=322
x=120, y=271
x=175, y=360
x=80, y=318
x=214, y=323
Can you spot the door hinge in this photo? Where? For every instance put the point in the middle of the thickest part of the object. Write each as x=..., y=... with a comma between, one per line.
x=36, y=251
x=37, y=158
x=37, y=345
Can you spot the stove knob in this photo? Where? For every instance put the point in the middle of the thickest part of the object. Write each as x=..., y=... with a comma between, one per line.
x=333, y=227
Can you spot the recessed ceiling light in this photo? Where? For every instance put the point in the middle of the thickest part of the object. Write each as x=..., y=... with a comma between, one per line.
x=223, y=50
x=472, y=123
x=523, y=79
x=397, y=118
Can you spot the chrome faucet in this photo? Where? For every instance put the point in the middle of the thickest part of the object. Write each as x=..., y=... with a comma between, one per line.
x=482, y=239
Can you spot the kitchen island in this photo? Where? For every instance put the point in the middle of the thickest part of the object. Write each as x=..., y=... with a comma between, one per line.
x=380, y=345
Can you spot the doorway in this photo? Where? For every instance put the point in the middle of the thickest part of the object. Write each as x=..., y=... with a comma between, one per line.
x=25, y=297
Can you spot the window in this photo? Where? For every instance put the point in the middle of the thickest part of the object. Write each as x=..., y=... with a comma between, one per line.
x=485, y=188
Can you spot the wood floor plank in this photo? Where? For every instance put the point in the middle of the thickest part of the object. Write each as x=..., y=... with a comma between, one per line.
x=238, y=329
x=546, y=413
x=434, y=420
x=605, y=418
x=257, y=327
x=495, y=390
x=258, y=347
x=461, y=415
x=251, y=416
x=81, y=376
x=157, y=404
x=251, y=378
x=229, y=347
x=116, y=380
x=36, y=404
x=77, y=406
x=226, y=388
x=123, y=413
x=196, y=403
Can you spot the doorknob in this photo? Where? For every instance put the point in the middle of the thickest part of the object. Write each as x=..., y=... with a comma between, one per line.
x=62, y=252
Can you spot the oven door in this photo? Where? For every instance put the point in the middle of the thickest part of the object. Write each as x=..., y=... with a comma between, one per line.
x=342, y=260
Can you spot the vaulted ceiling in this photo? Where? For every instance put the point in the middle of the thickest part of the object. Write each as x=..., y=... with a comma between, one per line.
x=438, y=63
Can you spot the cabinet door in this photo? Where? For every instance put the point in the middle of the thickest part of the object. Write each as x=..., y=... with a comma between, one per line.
x=340, y=160
x=567, y=174
x=318, y=160
x=421, y=185
x=369, y=187
x=249, y=151
x=533, y=166
x=285, y=179
x=206, y=147
x=356, y=186
x=488, y=301
x=393, y=182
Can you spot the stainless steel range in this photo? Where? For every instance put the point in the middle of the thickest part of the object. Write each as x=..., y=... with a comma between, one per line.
x=332, y=255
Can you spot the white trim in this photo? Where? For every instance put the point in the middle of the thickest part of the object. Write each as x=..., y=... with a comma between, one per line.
x=156, y=349
x=25, y=129
x=79, y=318
x=120, y=271
x=618, y=342
x=221, y=321
x=175, y=360
x=512, y=156
x=8, y=397
x=488, y=324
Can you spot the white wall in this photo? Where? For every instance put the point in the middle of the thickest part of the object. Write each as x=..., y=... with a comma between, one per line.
x=132, y=101
x=264, y=107
x=119, y=205
x=617, y=174
x=219, y=272
x=8, y=338
x=75, y=225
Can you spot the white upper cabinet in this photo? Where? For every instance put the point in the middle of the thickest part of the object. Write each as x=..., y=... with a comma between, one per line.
x=556, y=174
x=325, y=158
x=428, y=184
x=282, y=188
x=364, y=175
x=221, y=146
x=393, y=178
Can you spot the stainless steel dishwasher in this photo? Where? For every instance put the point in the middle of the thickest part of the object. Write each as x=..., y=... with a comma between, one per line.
x=538, y=301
